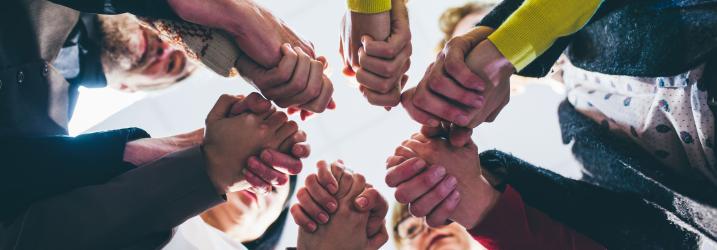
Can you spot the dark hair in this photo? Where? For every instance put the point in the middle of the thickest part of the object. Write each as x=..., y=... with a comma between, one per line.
x=272, y=235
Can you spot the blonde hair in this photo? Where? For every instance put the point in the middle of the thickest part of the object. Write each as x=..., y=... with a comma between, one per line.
x=400, y=211
x=452, y=16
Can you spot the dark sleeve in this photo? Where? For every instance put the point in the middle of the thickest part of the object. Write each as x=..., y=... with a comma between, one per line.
x=513, y=225
x=121, y=213
x=34, y=168
x=143, y=8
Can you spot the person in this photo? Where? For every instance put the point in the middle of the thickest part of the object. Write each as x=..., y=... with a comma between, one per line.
x=247, y=220
x=640, y=68
x=134, y=57
x=411, y=232
x=440, y=189
x=357, y=211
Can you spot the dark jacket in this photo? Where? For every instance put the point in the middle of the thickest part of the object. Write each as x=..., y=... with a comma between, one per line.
x=77, y=193
x=637, y=37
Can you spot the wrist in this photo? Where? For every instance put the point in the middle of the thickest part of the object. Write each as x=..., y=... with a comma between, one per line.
x=482, y=202
x=131, y=150
x=213, y=164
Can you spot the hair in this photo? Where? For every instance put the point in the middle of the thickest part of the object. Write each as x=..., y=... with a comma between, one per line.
x=400, y=211
x=450, y=18
x=270, y=239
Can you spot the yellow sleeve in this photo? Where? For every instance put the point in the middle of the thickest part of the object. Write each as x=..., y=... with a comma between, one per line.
x=369, y=6
x=535, y=26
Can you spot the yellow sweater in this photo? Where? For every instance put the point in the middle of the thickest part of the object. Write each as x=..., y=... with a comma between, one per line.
x=369, y=6
x=535, y=26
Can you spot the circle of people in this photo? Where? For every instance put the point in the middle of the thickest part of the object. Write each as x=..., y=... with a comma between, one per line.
x=124, y=189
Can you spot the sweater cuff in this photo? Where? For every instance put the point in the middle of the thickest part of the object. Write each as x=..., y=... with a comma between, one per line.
x=503, y=222
x=369, y=6
x=535, y=26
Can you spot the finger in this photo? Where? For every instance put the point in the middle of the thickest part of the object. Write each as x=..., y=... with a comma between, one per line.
x=375, y=82
x=433, y=131
x=288, y=144
x=404, y=151
x=345, y=179
x=292, y=110
x=276, y=120
x=460, y=136
x=266, y=172
x=443, y=85
x=255, y=181
x=253, y=103
x=440, y=215
x=357, y=186
x=419, y=137
x=379, y=239
x=281, y=162
x=302, y=219
x=386, y=49
x=286, y=130
x=282, y=94
x=383, y=67
x=332, y=104
x=390, y=99
x=428, y=201
x=440, y=107
x=326, y=179
x=415, y=146
x=394, y=160
x=417, y=114
x=410, y=190
x=221, y=108
x=321, y=102
x=404, y=171
x=313, y=86
x=454, y=56
x=301, y=150
x=315, y=212
x=374, y=225
x=370, y=200
x=320, y=194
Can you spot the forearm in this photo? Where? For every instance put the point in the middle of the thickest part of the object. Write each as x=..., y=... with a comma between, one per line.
x=510, y=224
x=139, y=203
x=535, y=26
x=35, y=168
x=144, y=8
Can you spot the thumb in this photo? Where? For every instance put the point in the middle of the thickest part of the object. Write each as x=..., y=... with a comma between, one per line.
x=254, y=103
x=221, y=108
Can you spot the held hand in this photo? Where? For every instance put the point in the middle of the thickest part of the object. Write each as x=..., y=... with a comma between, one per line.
x=297, y=81
x=376, y=49
x=231, y=141
x=257, y=32
x=477, y=195
x=317, y=204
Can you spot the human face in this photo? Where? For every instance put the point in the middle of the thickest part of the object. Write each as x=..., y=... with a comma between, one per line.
x=155, y=62
x=468, y=23
x=246, y=215
x=415, y=234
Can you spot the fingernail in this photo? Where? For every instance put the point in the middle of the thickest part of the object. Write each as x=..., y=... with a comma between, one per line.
x=266, y=156
x=362, y=202
x=332, y=188
x=420, y=163
x=312, y=226
x=387, y=108
x=462, y=120
x=433, y=123
x=477, y=103
x=331, y=206
x=440, y=171
x=323, y=217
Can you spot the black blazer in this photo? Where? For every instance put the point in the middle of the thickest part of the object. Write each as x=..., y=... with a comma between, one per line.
x=59, y=192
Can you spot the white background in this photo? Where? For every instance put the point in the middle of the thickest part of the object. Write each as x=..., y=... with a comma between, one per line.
x=360, y=134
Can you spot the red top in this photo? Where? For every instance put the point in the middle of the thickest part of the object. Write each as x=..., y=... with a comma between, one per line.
x=513, y=225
